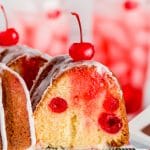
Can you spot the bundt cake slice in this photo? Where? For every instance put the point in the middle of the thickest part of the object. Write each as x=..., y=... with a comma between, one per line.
x=24, y=60
x=16, y=119
x=78, y=105
x=3, y=138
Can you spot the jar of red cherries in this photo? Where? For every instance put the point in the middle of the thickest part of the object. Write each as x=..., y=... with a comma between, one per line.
x=121, y=30
x=42, y=24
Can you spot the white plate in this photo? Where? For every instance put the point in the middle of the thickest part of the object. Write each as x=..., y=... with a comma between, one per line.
x=137, y=137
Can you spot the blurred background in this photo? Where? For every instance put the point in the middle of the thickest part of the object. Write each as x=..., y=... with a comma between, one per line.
x=119, y=29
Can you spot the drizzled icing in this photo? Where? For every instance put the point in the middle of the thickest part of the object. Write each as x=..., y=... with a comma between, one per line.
x=2, y=120
x=45, y=77
x=28, y=61
x=29, y=109
x=11, y=53
x=54, y=69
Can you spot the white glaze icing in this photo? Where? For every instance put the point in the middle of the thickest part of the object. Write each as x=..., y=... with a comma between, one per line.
x=47, y=80
x=2, y=120
x=60, y=68
x=11, y=55
x=101, y=69
x=14, y=52
x=39, y=73
x=29, y=108
x=30, y=51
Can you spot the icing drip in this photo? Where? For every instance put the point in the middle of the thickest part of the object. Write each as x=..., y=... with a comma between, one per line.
x=55, y=68
x=44, y=79
x=3, y=53
x=2, y=121
x=23, y=60
x=29, y=109
x=8, y=54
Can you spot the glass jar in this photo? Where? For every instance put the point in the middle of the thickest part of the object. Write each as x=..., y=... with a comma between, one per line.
x=42, y=24
x=120, y=36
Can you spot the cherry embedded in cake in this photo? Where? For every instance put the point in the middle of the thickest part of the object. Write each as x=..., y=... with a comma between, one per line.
x=58, y=105
x=17, y=125
x=78, y=104
x=110, y=123
x=111, y=104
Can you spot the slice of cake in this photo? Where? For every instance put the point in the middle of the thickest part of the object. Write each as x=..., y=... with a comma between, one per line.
x=16, y=120
x=78, y=105
x=24, y=60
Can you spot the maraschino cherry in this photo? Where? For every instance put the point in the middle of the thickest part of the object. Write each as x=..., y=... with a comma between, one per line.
x=130, y=4
x=110, y=122
x=9, y=36
x=111, y=104
x=58, y=105
x=54, y=14
x=82, y=50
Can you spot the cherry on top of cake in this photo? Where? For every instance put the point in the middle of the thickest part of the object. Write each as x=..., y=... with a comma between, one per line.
x=10, y=36
x=82, y=50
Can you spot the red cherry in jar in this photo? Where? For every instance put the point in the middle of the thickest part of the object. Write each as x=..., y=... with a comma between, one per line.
x=130, y=4
x=9, y=36
x=54, y=14
x=82, y=50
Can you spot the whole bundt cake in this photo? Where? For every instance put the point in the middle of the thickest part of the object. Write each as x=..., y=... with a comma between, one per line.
x=16, y=119
x=78, y=105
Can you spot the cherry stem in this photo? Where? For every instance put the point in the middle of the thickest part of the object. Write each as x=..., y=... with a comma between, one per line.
x=78, y=19
x=5, y=16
